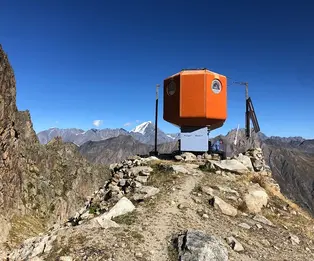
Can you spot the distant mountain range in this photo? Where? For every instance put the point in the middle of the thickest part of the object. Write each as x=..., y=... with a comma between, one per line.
x=119, y=148
x=291, y=159
x=144, y=133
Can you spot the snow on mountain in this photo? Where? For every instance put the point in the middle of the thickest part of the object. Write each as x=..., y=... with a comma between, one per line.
x=142, y=127
x=144, y=133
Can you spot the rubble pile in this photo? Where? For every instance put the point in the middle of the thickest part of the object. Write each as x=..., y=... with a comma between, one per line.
x=257, y=159
x=128, y=179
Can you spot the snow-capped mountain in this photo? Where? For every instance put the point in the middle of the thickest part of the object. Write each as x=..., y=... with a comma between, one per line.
x=145, y=133
x=142, y=128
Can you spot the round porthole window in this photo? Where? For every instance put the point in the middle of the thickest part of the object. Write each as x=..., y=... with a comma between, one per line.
x=216, y=86
x=171, y=88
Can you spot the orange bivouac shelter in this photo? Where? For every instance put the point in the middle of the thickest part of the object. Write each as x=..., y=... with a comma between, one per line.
x=195, y=98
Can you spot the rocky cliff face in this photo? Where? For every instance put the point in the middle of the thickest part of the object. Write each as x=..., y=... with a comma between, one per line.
x=292, y=166
x=39, y=185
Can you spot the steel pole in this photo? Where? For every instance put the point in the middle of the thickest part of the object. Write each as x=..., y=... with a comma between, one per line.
x=156, y=119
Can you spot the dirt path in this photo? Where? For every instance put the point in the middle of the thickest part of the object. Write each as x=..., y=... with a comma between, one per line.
x=161, y=225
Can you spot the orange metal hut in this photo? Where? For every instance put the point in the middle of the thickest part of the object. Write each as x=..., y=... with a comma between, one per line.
x=195, y=98
x=196, y=101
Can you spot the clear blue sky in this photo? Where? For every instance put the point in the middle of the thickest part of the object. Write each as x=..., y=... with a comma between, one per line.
x=80, y=61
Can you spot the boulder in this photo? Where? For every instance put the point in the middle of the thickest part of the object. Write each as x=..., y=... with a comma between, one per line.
x=257, y=164
x=123, y=206
x=235, y=244
x=207, y=156
x=141, y=170
x=255, y=199
x=224, y=207
x=178, y=158
x=180, y=169
x=103, y=222
x=188, y=156
x=246, y=161
x=145, y=192
x=245, y=226
x=208, y=190
x=262, y=219
x=195, y=245
x=232, y=165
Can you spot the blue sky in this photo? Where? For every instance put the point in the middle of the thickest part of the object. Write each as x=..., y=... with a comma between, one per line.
x=80, y=61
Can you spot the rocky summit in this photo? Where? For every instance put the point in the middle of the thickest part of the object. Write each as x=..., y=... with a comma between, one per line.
x=186, y=208
x=57, y=206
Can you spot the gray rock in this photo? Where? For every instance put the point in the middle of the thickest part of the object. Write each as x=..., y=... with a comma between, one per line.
x=207, y=156
x=188, y=156
x=216, y=157
x=122, y=182
x=178, y=157
x=208, y=190
x=235, y=244
x=149, y=159
x=263, y=220
x=256, y=198
x=136, y=184
x=231, y=165
x=257, y=164
x=33, y=247
x=205, y=216
x=294, y=239
x=123, y=206
x=183, y=206
x=145, y=192
x=142, y=179
x=180, y=169
x=244, y=225
x=195, y=246
x=101, y=221
x=224, y=207
x=141, y=170
x=246, y=161
x=265, y=242
x=197, y=200
x=259, y=226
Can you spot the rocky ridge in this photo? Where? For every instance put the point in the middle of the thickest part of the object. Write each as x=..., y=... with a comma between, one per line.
x=39, y=185
x=189, y=208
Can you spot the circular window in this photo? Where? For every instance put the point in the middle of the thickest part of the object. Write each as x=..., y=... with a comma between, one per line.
x=171, y=88
x=216, y=86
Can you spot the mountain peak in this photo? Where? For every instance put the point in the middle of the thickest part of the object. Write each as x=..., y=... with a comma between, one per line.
x=143, y=127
